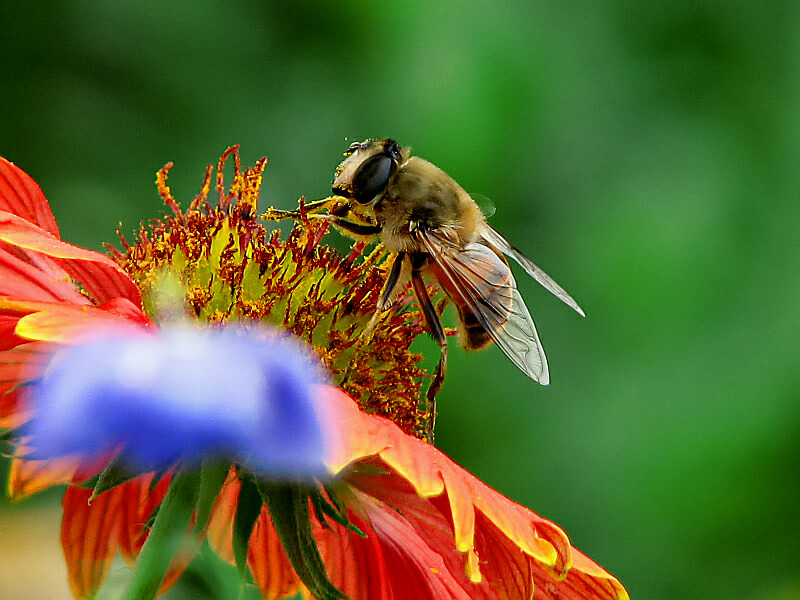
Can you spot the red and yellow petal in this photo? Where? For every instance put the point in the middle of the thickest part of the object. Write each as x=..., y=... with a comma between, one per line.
x=28, y=477
x=43, y=281
x=269, y=565
x=398, y=516
x=22, y=196
x=36, y=264
x=416, y=555
x=102, y=278
x=586, y=579
x=89, y=537
x=431, y=474
x=93, y=531
x=65, y=323
x=483, y=523
x=17, y=366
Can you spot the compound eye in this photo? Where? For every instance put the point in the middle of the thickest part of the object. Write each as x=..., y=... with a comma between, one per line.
x=372, y=178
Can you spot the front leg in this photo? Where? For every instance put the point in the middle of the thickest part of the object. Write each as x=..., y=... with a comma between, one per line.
x=387, y=294
x=359, y=229
x=329, y=203
x=337, y=210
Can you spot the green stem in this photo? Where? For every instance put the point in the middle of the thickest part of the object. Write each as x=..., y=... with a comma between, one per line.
x=166, y=535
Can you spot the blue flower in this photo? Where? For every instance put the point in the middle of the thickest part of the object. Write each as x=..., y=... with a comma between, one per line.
x=183, y=393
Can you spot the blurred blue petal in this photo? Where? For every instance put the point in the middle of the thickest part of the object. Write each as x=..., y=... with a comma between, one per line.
x=183, y=393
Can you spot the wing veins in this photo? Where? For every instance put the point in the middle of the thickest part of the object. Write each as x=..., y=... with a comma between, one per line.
x=513, y=330
x=496, y=239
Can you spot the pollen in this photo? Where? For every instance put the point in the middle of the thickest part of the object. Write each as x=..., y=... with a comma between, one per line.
x=232, y=268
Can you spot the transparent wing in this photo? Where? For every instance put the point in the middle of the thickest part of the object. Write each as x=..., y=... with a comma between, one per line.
x=487, y=206
x=507, y=248
x=484, y=283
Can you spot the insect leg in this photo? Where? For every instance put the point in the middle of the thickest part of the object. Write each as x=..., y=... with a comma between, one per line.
x=437, y=332
x=386, y=294
x=275, y=214
x=362, y=229
x=391, y=281
x=336, y=214
x=356, y=228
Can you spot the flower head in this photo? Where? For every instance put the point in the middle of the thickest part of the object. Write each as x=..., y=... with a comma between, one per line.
x=234, y=269
x=397, y=519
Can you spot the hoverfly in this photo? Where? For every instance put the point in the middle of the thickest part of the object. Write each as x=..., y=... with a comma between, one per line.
x=433, y=227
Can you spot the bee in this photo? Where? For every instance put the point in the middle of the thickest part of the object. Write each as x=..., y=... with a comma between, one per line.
x=433, y=228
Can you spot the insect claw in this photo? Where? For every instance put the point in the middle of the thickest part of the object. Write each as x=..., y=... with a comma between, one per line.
x=369, y=330
x=276, y=214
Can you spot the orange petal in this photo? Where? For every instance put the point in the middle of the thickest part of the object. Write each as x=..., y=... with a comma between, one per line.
x=116, y=519
x=486, y=529
x=219, y=532
x=432, y=473
x=22, y=196
x=27, y=477
x=587, y=579
x=406, y=554
x=89, y=537
x=271, y=569
x=64, y=323
x=100, y=275
x=139, y=501
x=18, y=366
x=43, y=281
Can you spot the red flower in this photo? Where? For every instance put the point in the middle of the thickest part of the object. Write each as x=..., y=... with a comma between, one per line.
x=50, y=292
x=432, y=530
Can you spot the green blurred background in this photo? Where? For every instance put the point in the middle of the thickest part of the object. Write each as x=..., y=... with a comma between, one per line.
x=645, y=154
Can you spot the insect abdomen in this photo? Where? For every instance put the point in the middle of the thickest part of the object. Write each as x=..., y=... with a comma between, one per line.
x=473, y=335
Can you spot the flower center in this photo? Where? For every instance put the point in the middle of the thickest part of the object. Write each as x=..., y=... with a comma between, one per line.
x=232, y=269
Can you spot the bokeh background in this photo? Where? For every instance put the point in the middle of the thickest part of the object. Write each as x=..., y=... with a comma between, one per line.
x=645, y=154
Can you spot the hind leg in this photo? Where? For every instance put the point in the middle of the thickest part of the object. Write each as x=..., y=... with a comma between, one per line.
x=438, y=334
